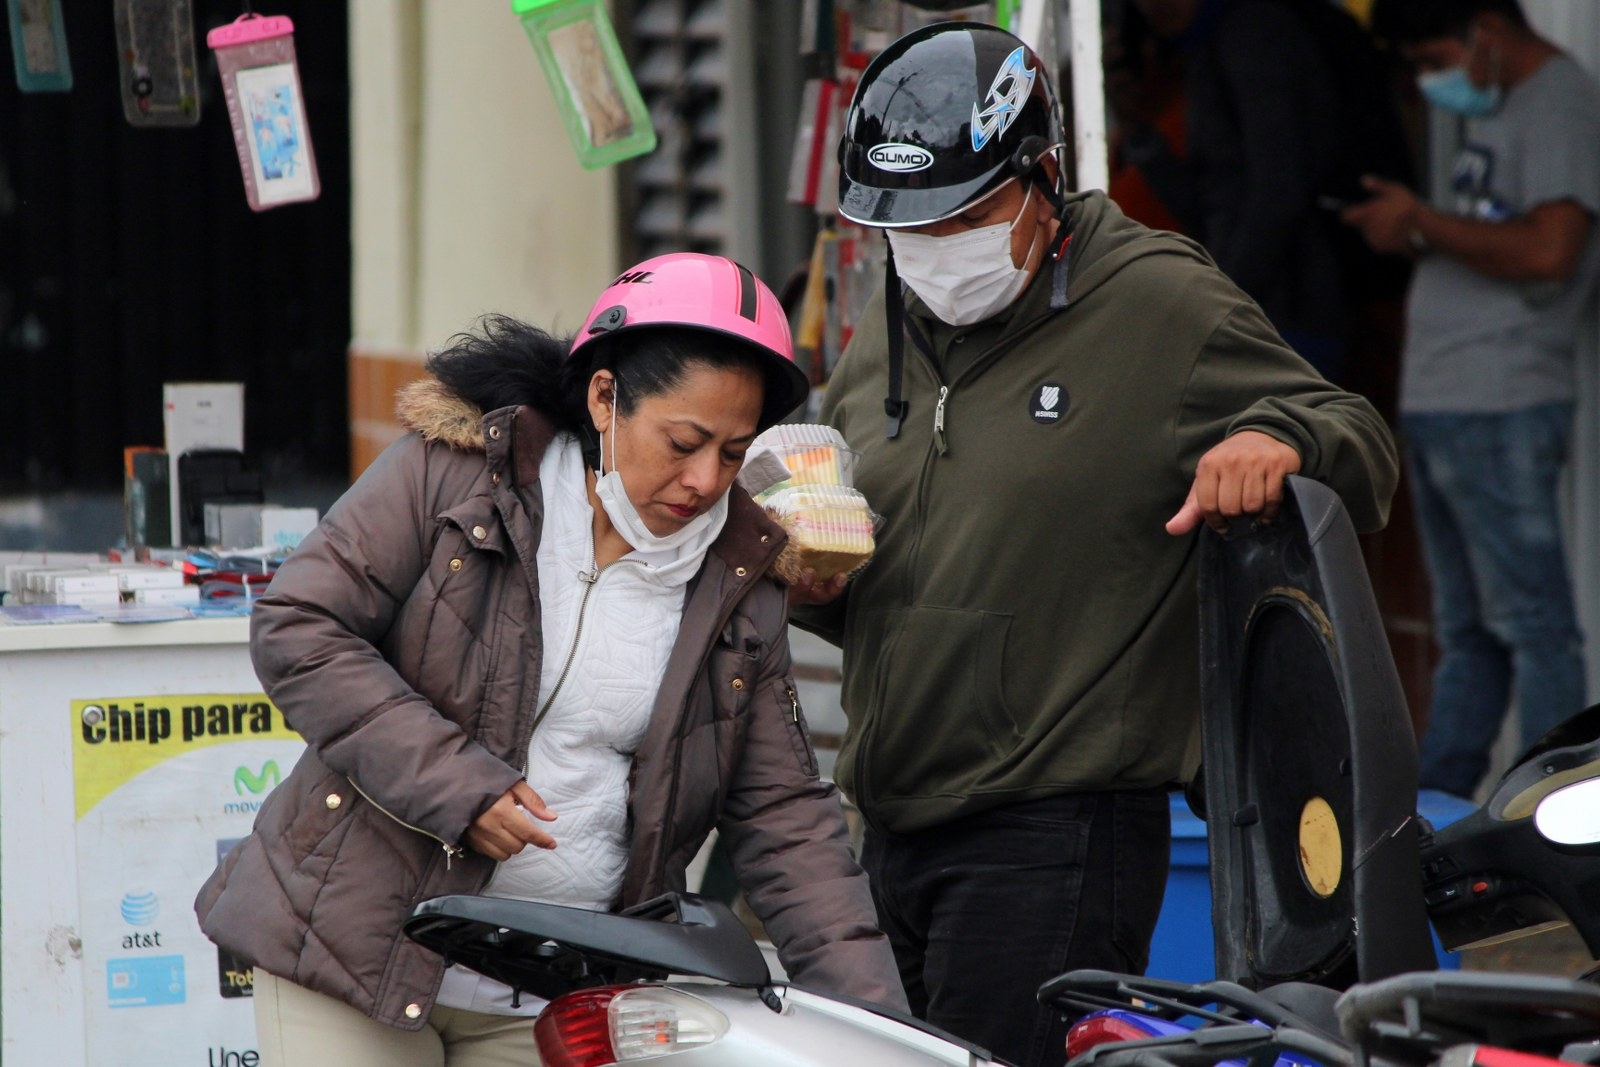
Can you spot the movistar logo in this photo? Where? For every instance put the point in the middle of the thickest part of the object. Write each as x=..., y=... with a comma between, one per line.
x=1007, y=94
x=900, y=158
x=243, y=779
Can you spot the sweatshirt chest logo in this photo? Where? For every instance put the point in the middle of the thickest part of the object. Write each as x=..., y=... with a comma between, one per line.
x=1048, y=404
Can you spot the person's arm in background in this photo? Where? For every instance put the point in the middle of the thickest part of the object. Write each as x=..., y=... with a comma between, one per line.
x=1546, y=244
x=1285, y=106
x=1560, y=179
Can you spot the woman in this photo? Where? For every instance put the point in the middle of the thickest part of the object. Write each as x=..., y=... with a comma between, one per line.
x=534, y=654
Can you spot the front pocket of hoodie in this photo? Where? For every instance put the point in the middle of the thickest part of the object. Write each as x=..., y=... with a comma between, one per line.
x=940, y=713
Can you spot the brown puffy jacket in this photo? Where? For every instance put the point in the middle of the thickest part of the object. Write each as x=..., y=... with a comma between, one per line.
x=401, y=639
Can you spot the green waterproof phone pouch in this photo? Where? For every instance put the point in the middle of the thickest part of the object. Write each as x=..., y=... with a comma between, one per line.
x=599, y=101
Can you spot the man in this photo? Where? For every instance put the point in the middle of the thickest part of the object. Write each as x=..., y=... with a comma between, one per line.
x=1502, y=284
x=1062, y=399
x=1287, y=104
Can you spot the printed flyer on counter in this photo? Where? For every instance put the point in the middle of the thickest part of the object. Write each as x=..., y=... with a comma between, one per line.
x=165, y=785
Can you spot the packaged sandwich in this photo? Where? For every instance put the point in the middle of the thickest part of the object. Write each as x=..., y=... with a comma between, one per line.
x=802, y=475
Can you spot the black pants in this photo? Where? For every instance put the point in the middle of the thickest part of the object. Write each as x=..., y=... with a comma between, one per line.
x=983, y=910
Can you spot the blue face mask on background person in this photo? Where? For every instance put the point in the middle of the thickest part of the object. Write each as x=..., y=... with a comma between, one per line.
x=1453, y=90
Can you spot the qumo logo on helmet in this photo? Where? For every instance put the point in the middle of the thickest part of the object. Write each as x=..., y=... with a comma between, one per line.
x=1007, y=94
x=900, y=158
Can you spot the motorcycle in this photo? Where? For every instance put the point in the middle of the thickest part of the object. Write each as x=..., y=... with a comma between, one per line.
x=1525, y=862
x=1324, y=877
x=677, y=976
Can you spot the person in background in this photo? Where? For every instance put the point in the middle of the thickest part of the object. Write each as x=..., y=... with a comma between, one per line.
x=1505, y=273
x=1287, y=105
x=1144, y=92
x=1045, y=414
x=535, y=653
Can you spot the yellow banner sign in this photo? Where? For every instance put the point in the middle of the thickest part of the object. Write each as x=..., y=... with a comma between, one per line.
x=115, y=739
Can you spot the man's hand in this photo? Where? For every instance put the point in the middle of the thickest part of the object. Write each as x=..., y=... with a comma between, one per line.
x=507, y=826
x=1388, y=218
x=810, y=591
x=1241, y=476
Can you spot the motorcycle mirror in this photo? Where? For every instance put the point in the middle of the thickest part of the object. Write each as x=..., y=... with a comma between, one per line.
x=1571, y=814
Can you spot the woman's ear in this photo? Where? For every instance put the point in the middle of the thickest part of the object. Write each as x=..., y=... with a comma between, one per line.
x=602, y=399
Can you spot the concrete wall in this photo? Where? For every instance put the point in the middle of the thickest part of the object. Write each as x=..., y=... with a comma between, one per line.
x=467, y=196
x=1575, y=25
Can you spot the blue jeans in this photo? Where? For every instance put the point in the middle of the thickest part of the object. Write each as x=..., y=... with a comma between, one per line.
x=1485, y=492
x=984, y=909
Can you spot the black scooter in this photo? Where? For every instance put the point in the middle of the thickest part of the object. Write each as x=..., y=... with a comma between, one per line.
x=1323, y=876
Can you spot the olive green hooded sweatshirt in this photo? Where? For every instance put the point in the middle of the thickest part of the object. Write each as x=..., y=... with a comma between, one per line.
x=1027, y=626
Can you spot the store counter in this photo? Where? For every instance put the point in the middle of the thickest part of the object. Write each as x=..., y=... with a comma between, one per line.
x=131, y=757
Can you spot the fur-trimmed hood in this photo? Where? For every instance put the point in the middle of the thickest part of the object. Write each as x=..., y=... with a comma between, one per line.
x=428, y=407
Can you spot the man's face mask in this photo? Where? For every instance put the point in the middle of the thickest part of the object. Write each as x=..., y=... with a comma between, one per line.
x=964, y=277
x=1453, y=90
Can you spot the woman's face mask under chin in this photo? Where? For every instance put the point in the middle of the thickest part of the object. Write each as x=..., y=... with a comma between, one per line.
x=969, y=276
x=669, y=463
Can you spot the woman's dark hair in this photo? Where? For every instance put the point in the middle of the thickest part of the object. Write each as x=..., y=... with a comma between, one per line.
x=1410, y=22
x=506, y=361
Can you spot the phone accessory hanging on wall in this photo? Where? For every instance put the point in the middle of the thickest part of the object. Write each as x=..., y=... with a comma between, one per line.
x=155, y=49
x=39, y=46
x=261, y=84
x=600, y=103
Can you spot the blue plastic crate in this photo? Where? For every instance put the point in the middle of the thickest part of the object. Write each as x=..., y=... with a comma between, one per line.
x=1182, y=949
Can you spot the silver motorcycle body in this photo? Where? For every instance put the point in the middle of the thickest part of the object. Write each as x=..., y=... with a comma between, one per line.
x=678, y=979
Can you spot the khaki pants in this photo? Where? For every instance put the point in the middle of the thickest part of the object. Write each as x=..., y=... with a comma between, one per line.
x=298, y=1028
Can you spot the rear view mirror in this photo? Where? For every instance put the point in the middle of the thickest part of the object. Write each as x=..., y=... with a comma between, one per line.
x=1571, y=814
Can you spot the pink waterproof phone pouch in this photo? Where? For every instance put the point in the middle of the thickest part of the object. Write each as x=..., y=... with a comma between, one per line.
x=261, y=84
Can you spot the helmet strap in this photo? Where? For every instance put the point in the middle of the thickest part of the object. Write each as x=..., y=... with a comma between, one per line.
x=894, y=310
x=1027, y=162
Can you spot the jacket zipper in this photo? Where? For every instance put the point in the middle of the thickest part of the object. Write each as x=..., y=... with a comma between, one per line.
x=938, y=422
x=450, y=851
x=590, y=578
x=794, y=702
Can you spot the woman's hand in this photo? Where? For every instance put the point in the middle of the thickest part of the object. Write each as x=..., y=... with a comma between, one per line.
x=507, y=827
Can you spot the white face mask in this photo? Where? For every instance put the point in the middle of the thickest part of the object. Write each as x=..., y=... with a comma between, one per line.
x=966, y=277
x=625, y=518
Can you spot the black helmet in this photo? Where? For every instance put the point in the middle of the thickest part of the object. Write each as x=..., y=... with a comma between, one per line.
x=936, y=121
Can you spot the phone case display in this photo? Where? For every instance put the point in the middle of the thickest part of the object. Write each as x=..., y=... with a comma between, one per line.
x=802, y=475
x=599, y=101
x=155, y=48
x=39, y=46
x=261, y=84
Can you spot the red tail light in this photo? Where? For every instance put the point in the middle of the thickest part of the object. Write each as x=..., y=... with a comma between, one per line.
x=1094, y=1030
x=1489, y=1056
x=618, y=1024
x=575, y=1030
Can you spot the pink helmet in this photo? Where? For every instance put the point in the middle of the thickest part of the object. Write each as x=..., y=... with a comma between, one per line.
x=696, y=291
